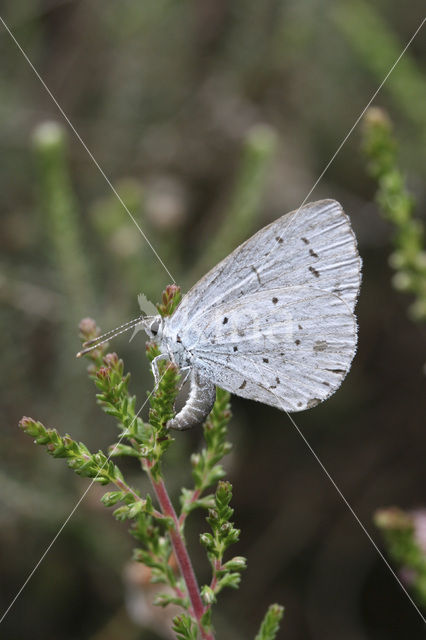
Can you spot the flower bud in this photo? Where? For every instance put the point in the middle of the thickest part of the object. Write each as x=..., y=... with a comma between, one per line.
x=88, y=329
x=236, y=564
x=207, y=594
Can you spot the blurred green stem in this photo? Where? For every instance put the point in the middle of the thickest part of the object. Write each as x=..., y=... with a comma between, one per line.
x=396, y=204
x=61, y=219
x=403, y=536
x=271, y=623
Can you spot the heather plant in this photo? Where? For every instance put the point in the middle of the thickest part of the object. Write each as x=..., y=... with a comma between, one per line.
x=403, y=531
x=405, y=535
x=155, y=523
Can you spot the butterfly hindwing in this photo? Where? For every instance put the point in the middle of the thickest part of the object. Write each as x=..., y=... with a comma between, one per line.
x=288, y=347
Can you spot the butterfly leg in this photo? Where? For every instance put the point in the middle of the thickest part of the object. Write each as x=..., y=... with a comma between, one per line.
x=154, y=367
x=198, y=405
x=186, y=376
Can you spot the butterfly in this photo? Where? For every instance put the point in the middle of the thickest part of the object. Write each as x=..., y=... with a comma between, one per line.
x=274, y=321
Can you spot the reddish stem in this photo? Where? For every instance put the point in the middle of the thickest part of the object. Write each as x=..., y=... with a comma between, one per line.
x=216, y=567
x=182, y=555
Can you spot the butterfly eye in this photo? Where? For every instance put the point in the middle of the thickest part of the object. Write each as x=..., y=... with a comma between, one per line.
x=154, y=327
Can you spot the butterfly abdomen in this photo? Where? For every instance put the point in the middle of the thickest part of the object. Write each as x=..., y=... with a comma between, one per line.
x=198, y=405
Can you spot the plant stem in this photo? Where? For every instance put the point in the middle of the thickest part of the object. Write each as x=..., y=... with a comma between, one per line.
x=123, y=486
x=195, y=495
x=216, y=568
x=182, y=555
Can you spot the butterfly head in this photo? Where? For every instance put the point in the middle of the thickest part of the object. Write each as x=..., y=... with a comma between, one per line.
x=154, y=327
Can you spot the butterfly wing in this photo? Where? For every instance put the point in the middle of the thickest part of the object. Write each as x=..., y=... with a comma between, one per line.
x=313, y=246
x=287, y=347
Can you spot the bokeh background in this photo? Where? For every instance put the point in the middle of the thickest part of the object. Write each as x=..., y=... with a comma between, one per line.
x=210, y=118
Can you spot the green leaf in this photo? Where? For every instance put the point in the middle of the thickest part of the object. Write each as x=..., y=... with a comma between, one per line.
x=122, y=513
x=162, y=600
x=185, y=627
x=119, y=449
x=136, y=508
x=206, y=618
x=235, y=564
x=112, y=497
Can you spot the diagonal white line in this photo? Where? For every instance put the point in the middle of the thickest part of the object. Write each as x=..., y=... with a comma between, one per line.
x=346, y=502
x=348, y=505
x=86, y=148
x=357, y=121
x=330, y=162
x=68, y=518
x=358, y=520
x=168, y=272
x=30, y=575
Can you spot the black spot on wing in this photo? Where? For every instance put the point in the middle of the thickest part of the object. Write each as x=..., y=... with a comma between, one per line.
x=305, y=240
x=312, y=253
x=314, y=272
x=235, y=348
x=274, y=300
x=265, y=360
x=297, y=342
x=225, y=320
x=243, y=384
x=279, y=239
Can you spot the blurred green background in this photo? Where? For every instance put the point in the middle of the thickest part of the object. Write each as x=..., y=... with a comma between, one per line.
x=211, y=118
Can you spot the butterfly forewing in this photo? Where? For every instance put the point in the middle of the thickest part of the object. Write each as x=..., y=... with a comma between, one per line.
x=313, y=246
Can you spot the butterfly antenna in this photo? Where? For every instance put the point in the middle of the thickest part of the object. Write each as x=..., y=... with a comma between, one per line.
x=129, y=324
x=94, y=343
